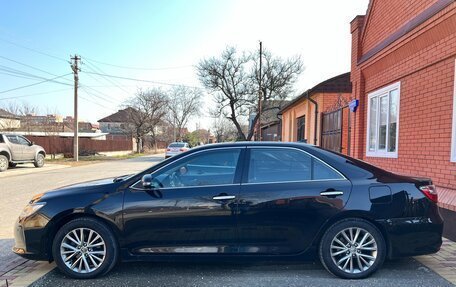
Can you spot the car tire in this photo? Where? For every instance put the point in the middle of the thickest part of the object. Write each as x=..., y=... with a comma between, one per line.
x=39, y=161
x=3, y=163
x=104, y=251
x=352, y=249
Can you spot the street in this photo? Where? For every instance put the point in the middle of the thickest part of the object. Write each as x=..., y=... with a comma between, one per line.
x=17, y=189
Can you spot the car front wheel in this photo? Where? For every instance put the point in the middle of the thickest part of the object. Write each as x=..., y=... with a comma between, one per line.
x=39, y=161
x=85, y=248
x=352, y=249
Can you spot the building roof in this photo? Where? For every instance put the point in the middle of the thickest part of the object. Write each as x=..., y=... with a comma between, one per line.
x=122, y=116
x=7, y=115
x=337, y=84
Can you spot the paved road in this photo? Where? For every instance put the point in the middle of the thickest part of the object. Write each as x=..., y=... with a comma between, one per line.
x=18, y=186
x=405, y=272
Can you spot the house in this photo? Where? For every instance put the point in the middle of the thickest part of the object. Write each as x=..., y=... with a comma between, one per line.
x=117, y=123
x=9, y=121
x=403, y=75
x=310, y=116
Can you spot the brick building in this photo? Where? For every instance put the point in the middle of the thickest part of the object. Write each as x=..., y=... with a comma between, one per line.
x=403, y=74
x=303, y=118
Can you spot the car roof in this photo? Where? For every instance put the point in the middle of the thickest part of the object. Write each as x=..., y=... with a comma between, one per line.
x=256, y=143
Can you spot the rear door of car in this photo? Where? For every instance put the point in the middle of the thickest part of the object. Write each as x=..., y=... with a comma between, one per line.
x=286, y=196
x=17, y=150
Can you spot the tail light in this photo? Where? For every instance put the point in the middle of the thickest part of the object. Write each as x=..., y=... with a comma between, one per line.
x=168, y=149
x=430, y=191
x=183, y=149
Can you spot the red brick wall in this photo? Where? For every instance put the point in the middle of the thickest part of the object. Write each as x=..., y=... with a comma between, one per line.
x=387, y=16
x=423, y=61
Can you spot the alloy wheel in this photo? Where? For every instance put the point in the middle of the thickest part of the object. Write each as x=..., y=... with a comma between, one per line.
x=83, y=250
x=3, y=163
x=354, y=250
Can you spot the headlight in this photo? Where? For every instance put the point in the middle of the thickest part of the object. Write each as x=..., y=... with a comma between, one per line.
x=30, y=209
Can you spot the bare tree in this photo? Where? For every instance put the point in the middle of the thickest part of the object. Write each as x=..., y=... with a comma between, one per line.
x=145, y=111
x=184, y=103
x=223, y=130
x=19, y=110
x=234, y=80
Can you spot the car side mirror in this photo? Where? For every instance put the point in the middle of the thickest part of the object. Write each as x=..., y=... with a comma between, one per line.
x=146, y=181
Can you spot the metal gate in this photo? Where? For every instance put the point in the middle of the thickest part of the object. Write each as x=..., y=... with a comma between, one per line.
x=335, y=132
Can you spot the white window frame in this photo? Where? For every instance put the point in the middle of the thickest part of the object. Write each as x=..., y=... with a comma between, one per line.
x=377, y=94
x=453, y=135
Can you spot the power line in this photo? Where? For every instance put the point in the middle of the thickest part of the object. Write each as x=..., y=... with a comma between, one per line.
x=34, y=50
x=140, y=80
x=139, y=68
x=109, y=80
x=22, y=87
x=36, y=94
x=21, y=74
x=27, y=65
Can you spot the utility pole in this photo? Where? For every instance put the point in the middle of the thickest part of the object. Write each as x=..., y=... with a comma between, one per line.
x=74, y=66
x=260, y=90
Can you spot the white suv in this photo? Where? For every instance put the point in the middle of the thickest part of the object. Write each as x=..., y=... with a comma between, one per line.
x=176, y=148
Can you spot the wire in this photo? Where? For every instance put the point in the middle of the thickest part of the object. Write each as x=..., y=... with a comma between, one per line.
x=19, y=74
x=140, y=80
x=109, y=80
x=36, y=94
x=22, y=87
x=34, y=50
x=29, y=66
x=139, y=68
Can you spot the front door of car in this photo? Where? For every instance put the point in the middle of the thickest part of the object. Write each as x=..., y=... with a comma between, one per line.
x=28, y=151
x=286, y=196
x=190, y=208
x=17, y=150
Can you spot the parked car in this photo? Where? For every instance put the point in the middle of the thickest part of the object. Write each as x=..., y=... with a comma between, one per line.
x=16, y=149
x=238, y=200
x=176, y=148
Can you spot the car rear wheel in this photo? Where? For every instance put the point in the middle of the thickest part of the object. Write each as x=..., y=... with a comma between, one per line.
x=352, y=249
x=85, y=248
x=39, y=161
x=3, y=163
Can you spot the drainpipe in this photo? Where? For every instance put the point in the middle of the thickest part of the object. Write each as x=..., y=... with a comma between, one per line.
x=316, y=115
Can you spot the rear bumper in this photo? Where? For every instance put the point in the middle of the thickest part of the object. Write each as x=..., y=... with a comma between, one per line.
x=413, y=236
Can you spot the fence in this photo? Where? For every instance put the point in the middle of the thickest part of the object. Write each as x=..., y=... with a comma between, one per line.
x=55, y=145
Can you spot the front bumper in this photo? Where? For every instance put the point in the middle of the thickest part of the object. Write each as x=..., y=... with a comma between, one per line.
x=30, y=243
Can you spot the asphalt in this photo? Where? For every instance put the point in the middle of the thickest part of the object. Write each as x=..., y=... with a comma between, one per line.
x=403, y=272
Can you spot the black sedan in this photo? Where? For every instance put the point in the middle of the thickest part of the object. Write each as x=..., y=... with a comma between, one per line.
x=236, y=201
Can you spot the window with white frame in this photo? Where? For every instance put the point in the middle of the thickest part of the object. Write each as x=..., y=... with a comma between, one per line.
x=453, y=137
x=383, y=121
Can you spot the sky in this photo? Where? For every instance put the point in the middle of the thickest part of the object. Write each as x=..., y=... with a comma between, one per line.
x=160, y=42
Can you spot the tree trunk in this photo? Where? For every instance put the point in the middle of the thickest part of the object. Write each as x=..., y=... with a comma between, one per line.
x=138, y=145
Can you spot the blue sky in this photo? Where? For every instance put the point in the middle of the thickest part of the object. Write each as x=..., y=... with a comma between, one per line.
x=167, y=36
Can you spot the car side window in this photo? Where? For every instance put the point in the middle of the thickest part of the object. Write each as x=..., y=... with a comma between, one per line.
x=217, y=167
x=12, y=139
x=22, y=141
x=285, y=165
x=1, y=139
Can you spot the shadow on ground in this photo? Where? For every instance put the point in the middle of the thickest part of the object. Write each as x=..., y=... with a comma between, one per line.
x=394, y=273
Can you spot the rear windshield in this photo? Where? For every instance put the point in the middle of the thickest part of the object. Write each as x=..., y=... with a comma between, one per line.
x=177, y=145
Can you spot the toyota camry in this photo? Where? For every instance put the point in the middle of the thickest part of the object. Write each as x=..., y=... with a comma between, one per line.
x=237, y=201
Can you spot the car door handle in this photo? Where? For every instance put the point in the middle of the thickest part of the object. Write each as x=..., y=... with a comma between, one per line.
x=331, y=193
x=223, y=197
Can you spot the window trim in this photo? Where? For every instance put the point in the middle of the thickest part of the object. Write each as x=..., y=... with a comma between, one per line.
x=377, y=94
x=453, y=133
x=247, y=167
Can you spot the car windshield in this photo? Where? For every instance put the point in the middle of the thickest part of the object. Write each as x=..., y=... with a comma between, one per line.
x=177, y=145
